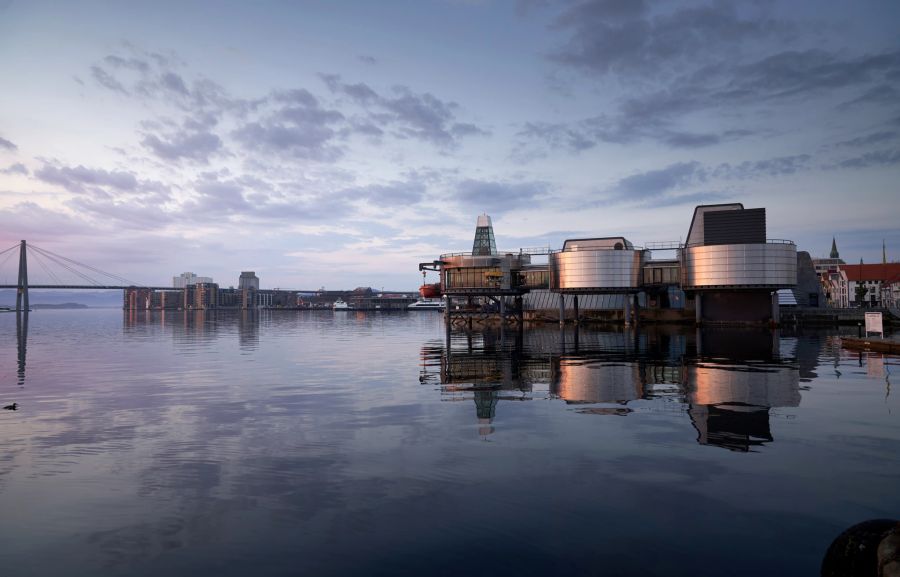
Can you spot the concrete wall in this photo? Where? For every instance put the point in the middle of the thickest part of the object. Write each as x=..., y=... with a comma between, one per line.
x=737, y=307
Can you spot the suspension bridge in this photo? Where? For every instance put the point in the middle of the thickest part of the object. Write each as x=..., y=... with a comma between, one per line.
x=56, y=272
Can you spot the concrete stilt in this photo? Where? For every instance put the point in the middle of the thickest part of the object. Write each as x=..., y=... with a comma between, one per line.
x=698, y=308
x=776, y=312
x=562, y=310
x=627, y=310
x=575, y=301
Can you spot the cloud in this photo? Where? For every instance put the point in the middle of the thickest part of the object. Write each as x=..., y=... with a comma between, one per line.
x=883, y=94
x=183, y=144
x=778, y=166
x=107, y=80
x=655, y=183
x=31, y=221
x=17, y=168
x=75, y=179
x=497, y=197
x=869, y=139
x=307, y=140
x=217, y=197
x=152, y=76
x=173, y=82
x=690, y=139
x=717, y=58
x=420, y=116
x=623, y=129
x=394, y=194
x=870, y=159
x=295, y=124
x=694, y=198
x=7, y=145
x=366, y=59
x=627, y=37
x=131, y=63
x=793, y=73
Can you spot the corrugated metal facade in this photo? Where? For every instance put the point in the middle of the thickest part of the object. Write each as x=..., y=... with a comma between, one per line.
x=746, y=226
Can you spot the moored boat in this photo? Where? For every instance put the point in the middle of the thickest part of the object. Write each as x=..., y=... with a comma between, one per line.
x=430, y=291
x=426, y=304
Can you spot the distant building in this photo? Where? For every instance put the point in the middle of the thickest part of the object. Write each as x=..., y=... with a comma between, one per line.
x=890, y=293
x=830, y=264
x=834, y=287
x=248, y=280
x=187, y=279
x=870, y=278
x=201, y=296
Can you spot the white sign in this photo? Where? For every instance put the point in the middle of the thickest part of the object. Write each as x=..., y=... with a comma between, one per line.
x=873, y=323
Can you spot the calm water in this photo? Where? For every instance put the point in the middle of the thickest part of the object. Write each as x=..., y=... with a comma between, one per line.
x=361, y=444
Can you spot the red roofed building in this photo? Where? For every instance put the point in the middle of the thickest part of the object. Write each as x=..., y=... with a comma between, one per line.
x=890, y=293
x=871, y=277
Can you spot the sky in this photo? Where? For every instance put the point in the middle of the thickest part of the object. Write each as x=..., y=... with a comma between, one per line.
x=339, y=144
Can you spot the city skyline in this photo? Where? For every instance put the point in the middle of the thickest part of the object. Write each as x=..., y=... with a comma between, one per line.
x=340, y=145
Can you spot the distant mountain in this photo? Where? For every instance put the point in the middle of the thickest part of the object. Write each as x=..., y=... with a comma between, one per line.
x=88, y=298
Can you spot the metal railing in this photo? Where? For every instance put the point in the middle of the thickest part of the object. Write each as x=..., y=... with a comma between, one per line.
x=768, y=241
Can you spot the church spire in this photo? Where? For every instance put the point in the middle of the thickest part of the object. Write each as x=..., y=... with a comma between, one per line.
x=883, y=252
x=834, y=250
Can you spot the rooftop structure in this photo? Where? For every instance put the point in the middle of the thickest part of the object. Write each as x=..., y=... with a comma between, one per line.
x=248, y=280
x=484, y=244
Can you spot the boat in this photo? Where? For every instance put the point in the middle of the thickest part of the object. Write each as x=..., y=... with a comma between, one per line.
x=430, y=291
x=340, y=305
x=426, y=304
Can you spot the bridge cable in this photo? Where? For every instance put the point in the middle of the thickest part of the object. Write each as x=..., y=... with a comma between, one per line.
x=122, y=280
x=5, y=260
x=46, y=268
x=67, y=267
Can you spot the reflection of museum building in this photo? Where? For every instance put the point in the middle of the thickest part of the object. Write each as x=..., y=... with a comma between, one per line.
x=727, y=402
x=729, y=407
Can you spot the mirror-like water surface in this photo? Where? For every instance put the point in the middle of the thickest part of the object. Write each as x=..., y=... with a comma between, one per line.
x=366, y=444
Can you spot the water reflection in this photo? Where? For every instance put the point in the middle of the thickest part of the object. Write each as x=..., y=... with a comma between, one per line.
x=21, y=345
x=192, y=444
x=725, y=380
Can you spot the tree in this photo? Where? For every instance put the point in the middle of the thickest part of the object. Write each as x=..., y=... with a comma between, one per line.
x=861, y=291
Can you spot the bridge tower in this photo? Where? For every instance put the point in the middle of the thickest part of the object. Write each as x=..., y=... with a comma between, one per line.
x=22, y=287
